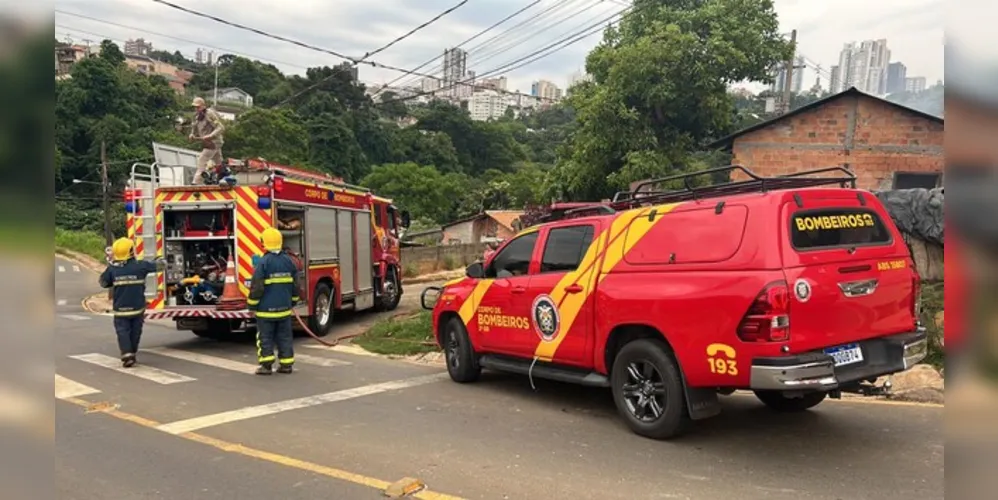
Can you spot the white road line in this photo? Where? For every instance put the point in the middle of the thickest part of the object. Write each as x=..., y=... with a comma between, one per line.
x=74, y=317
x=76, y=269
x=146, y=372
x=60, y=302
x=347, y=349
x=66, y=388
x=193, y=424
x=319, y=360
x=62, y=269
x=204, y=359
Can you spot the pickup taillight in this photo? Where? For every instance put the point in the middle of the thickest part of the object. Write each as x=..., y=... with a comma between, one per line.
x=768, y=318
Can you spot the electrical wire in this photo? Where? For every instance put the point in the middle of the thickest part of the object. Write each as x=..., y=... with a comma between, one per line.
x=529, y=58
x=480, y=33
x=417, y=28
x=148, y=32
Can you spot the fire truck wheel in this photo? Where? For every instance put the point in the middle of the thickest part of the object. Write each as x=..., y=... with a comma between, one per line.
x=648, y=389
x=462, y=363
x=391, y=294
x=776, y=400
x=322, y=310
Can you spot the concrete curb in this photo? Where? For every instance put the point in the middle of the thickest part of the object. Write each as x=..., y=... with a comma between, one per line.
x=81, y=259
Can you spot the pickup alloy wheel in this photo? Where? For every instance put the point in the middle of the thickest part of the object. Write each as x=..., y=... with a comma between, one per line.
x=648, y=389
x=462, y=363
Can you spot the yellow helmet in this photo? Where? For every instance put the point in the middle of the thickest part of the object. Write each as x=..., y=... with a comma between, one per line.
x=272, y=240
x=122, y=249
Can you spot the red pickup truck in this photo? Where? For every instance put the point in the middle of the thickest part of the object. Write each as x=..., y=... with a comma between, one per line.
x=795, y=287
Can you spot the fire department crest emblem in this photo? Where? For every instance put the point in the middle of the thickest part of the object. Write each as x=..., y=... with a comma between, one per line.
x=545, y=316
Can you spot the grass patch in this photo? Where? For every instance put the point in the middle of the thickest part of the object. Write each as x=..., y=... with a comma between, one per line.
x=932, y=305
x=400, y=336
x=85, y=242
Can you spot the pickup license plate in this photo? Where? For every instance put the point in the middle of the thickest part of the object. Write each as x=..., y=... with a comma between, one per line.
x=845, y=354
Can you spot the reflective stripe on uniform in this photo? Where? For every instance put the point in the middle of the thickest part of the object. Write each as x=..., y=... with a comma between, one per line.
x=275, y=281
x=128, y=282
x=129, y=313
x=273, y=314
x=266, y=359
x=252, y=302
x=286, y=361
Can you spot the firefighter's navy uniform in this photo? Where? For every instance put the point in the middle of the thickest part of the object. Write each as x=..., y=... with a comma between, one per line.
x=126, y=276
x=274, y=289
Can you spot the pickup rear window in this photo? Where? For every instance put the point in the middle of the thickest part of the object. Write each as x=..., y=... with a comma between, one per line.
x=837, y=227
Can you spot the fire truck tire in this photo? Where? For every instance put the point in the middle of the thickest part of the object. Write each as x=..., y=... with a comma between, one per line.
x=776, y=400
x=322, y=310
x=462, y=362
x=389, y=301
x=648, y=389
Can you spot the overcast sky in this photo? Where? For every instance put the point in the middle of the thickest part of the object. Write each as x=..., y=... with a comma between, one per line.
x=913, y=29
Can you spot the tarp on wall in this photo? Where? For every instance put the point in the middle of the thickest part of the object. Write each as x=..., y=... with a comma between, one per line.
x=917, y=212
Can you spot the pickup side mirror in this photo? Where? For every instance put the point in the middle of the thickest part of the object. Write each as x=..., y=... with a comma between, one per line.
x=406, y=219
x=475, y=271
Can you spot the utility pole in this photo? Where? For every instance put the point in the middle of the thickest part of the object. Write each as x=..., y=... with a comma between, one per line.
x=104, y=193
x=215, y=100
x=789, y=72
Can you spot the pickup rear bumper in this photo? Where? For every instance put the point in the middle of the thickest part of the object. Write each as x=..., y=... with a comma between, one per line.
x=817, y=371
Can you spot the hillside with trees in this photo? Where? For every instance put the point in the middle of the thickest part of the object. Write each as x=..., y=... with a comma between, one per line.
x=650, y=106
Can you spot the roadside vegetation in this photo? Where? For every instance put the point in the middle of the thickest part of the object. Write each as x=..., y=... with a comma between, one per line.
x=400, y=336
x=86, y=242
x=932, y=308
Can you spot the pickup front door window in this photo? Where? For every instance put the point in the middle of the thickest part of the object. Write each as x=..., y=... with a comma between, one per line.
x=504, y=311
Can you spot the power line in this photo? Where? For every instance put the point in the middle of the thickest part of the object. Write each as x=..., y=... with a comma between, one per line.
x=417, y=28
x=148, y=32
x=480, y=33
x=530, y=58
x=500, y=48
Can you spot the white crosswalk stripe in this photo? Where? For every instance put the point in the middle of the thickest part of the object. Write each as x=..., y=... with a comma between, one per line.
x=62, y=269
x=76, y=269
x=66, y=388
x=142, y=371
x=60, y=302
x=204, y=359
x=74, y=317
x=319, y=360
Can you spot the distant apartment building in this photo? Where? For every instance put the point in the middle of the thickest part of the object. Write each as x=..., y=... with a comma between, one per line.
x=487, y=105
x=797, y=77
x=915, y=84
x=835, y=80
x=864, y=65
x=66, y=56
x=467, y=86
x=455, y=70
x=897, y=76
x=427, y=85
x=138, y=47
x=202, y=56
x=498, y=84
x=545, y=91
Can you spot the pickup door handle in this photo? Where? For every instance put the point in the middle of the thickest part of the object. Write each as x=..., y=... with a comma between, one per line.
x=573, y=288
x=518, y=289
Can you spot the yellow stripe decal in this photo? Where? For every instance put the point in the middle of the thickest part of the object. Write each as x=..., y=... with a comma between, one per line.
x=467, y=311
x=625, y=231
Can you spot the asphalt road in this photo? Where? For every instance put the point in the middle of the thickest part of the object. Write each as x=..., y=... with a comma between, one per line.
x=345, y=425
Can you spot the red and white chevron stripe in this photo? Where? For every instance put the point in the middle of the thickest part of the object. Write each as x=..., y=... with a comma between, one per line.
x=197, y=312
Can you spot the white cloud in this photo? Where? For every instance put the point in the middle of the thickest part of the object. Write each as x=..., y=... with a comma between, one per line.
x=913, y=28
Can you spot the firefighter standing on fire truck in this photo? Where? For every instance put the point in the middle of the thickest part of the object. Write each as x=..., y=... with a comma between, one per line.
x=208, y=129
x=126, y=276
x=274, y=290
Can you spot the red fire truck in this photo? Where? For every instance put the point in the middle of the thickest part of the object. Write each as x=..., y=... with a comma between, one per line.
x=344, y=238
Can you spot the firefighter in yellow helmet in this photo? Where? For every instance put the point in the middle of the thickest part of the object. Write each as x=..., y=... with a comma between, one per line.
x=274, y=290
x=126, y=277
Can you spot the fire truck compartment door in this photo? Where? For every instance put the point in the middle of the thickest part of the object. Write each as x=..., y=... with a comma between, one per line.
x=365, y=270
x=321, y=234
x=344, y=232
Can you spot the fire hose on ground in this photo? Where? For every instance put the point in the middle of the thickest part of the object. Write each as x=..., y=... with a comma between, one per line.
x=318, y=339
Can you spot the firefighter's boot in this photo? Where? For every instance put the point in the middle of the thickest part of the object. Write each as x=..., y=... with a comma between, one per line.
x=265, y=369
x=284, y=368
x=128, y=359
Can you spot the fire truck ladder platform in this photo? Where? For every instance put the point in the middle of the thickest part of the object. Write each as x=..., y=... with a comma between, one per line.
x=754, y=184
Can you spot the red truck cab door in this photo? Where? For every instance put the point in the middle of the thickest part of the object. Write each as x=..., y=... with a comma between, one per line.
x=562, y=305
x=503, y=316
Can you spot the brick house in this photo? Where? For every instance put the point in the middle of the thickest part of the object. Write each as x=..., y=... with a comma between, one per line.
x=490, y=224
x=887, y=145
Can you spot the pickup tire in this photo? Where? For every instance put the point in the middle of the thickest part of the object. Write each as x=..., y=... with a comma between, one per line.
x=648, y=389
x=776, y=400
x=322, y=310
x=462, y=362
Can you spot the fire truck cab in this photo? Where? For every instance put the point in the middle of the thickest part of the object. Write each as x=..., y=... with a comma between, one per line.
x=344, y=238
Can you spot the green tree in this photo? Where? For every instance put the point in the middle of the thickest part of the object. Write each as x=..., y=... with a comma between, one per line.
x=659, y=89
x=275, y=134
x=110, y=52
x=422, y=189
